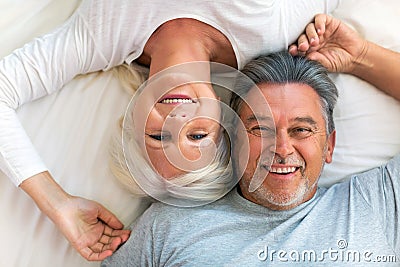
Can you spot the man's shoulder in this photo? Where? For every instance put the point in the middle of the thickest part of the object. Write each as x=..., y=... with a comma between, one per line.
x=390, y=169
x=385, y=172
x=373, y=187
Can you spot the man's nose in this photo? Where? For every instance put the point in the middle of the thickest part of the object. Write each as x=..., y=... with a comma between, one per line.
x=283, y=144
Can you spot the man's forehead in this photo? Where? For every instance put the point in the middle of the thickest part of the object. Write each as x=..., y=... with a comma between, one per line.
x=256, y=105
x=255, y=95
x=263, y=99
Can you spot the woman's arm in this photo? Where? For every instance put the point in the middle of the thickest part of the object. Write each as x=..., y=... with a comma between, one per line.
x=90, y=228
x=33, y=71
x=39, y=68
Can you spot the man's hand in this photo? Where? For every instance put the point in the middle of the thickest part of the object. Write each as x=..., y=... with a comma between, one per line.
x=332, y=43
x=90, y=228
x=340, y=49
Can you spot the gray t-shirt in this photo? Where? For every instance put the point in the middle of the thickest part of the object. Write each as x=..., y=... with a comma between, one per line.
x=353, y=223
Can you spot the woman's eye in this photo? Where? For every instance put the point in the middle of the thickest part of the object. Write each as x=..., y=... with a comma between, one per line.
x=197, y=136
x=160, y=137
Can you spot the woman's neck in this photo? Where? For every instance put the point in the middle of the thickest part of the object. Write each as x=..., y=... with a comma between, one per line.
x=186, y=40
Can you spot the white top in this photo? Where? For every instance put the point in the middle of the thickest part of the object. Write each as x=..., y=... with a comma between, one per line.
x=103, y=34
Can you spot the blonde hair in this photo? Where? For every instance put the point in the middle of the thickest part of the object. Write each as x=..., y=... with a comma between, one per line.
x=202, y=186
x=130, y=80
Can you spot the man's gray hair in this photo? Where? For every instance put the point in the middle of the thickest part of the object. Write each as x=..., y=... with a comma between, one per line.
x=283, y=68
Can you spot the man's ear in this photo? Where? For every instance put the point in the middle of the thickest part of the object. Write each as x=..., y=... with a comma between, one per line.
x=330, y=146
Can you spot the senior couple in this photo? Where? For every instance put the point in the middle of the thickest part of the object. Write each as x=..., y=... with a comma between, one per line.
x=284, y=134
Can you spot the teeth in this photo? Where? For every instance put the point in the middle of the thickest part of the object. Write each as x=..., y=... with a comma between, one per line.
x=177, y=100
x=283, y=170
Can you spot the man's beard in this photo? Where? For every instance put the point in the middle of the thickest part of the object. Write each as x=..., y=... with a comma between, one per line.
x=269, y=198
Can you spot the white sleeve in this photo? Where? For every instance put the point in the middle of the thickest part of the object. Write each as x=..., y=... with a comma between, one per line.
x=39, y=68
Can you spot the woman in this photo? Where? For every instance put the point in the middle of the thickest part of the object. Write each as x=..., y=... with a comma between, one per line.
x=176, y=132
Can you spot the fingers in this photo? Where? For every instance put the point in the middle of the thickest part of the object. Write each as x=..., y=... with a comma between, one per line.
x=293, y=50
x=313, y=32
x=122, y=234
x=109, y=218
x=320, y=22
x=310, y=39
x=91, y=255
x=311, y=36
x=103, y=244
x=106, y=245
x=301, y=48
x=110, y=239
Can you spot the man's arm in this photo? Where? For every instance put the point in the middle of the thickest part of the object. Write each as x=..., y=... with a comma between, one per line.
x=340, y=49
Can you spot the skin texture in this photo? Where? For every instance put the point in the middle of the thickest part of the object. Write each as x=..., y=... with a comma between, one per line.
x=302, y=146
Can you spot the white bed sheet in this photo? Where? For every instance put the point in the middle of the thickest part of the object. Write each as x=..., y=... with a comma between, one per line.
x=72, y=129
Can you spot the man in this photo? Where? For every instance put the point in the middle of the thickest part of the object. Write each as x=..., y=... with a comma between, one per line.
x=284, y=218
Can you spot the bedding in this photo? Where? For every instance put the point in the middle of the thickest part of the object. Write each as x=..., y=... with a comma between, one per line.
x=71, y=130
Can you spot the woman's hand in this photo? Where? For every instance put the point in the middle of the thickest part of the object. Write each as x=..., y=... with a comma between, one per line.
x=91, y=229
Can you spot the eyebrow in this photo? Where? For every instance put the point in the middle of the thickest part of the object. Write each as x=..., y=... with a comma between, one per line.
x=259, y=117
x=253, y=117
x=307, y=119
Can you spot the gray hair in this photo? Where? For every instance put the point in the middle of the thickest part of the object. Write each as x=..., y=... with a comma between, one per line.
x=282, y=68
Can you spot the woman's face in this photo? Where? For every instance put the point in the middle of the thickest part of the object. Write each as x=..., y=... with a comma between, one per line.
x=182, y=129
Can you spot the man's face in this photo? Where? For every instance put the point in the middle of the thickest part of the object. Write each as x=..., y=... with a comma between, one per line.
x=289, y=167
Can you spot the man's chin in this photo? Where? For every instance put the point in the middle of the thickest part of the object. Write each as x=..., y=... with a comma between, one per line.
x=278, y=199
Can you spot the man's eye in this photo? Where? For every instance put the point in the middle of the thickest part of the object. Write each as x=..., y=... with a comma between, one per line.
x=262, y=131
x=302, y=132
x=160, y=137
x=197, y=136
